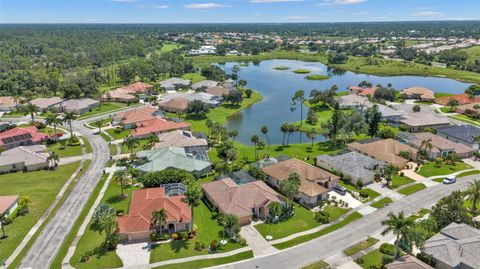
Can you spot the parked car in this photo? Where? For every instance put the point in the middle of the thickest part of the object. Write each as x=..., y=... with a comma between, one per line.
x=340, y=190
x=450, y=180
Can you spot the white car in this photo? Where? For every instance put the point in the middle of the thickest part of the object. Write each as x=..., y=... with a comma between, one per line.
x=450, y=180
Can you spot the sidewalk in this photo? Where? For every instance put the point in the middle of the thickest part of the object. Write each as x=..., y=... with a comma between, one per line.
x=255, y=240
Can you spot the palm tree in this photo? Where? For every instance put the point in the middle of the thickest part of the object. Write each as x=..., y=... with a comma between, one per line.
x=159, y=218
x=312, y=134
x=53, y=119
x=476, y=107
x=53, y=158
x=192, y=198
x=104, y=221
x=264, y=131
x=3, y=222
x=298, y=97
x=229, y=223
x=290, y=187
x=400, y=226
x=233, y=134
x=255, y=139
x=389, y=171
x=284, y=130
x=31, y=109
x=474, y=195
x=274, y=210
x=151, y=140
x=130, y=142
x=68, y=118
x=122, y=176
x=427, y=145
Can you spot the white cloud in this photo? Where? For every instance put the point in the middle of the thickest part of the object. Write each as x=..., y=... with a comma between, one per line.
x=274, y=1
x=340, y=2
x=429, y=14
x=160, y=6
x=204, y=6
x=123, y=1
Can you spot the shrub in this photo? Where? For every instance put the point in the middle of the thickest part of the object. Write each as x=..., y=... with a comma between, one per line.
x=359, y=260
x=322, y=217
x=120, y=212
x=359, y=184
x=213, y=246
x=242, y=241
x=175, y=236
x=402, y=174
x=39, y=125
x=387, y=259
x=159, y=237
x=199, y=246
x=84, y=258
x=184, y=235
x=388, y=249
x=426, y=258
x=363, y=193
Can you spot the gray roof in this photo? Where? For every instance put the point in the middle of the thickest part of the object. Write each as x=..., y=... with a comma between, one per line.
x=388, y=111
x=171, y=82
x=456, y=244
x=170, y=157
x=353, y=164
x=74, y=104
x=465, y=133
x=204, y=84
x=29, y=155
x=353, y=100
x=191, y=96
x=423, y=119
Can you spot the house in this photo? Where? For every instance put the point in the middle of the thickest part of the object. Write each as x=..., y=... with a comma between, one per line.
x=229, y=84
x=184, y=139
x=388, y=113
x=137, y=88
x=137, y=225
x=242, y=200
x=46, y=103
x=418, y=121
x=78, y=106
x=218, y=91
x=172, y=84
x=209, y=99
x=176, y=105
x=130, y=119
x=8, y=204
x=469, y=109
x=407, y=262
x=420, y=93
x=203, y=50
x=157, y=126
x=315, y=182
x=119, y=95
x=462, y=99
x=21, y=136
x=363, y=91
x=385, y=150
x=441, y=146
x=352, y=164
x=24, y=158
x=172, y=157
x=7, y=103
x=353, y=101
x=204, y=84
x=455, y=246
x=464, y=134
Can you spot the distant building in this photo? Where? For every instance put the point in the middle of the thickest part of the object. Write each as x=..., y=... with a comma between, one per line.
x=441, y=146
x=203, y=50
x=464, y=134
x=173, y=84
x=78, y=106
x=418, y=121
x=353, y=101
x=130, y=119
x=46, y=103
x=203, y=85
x=462, y=99
x=157, y=126
x=197, y=147
x=7, y=103
x=420, y=93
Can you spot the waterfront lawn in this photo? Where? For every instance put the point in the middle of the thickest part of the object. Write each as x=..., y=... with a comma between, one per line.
x=105, y=108
x=304, y=238
x=302, y=220
x=207, y=230
x=209, y=262
x=398, y=181
x=382, y=202
x=429, y=169
x=324, y=114
x=91, y=240
x=41, y=187
x=68, y=151
x=360, y=246
x=412, y=189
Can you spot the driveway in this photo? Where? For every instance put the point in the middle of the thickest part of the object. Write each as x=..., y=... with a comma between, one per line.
x=255, y=240
x=133, y=255
x=352, y=202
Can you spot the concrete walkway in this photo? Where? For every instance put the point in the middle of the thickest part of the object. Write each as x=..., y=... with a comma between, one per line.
x=133, y=255
x=72, y=159
x=255, y=240
x=385, y=191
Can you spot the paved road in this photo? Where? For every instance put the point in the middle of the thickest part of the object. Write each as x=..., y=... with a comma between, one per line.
x=46, y=246
x=338, y=240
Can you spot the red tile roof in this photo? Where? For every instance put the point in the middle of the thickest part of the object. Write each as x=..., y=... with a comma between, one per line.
x=137, y=87
x=368, y=91
x=145, y=202
x=462, y=98
x=155, y=126
x=137, y=115
x=6, y=202
x=18, y=134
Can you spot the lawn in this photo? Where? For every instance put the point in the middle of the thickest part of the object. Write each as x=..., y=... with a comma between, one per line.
x=42, y=187
x=382, y=202
x=371, y=259
x=167, y=47
x=91, y=240
x=317, y=265
x=371, y=193
x=466, y=119
x=335, y=212
x=207, y=230
x=324, y=114
x=209, y=262
x=302, y=220
x=140, y=147
x=105, y=108
x=304, y=238
x=13, y=114
x=470, y=173
x=412, y=189
x=360, y=246
x=429, y=169
x=194, y=77
x=473, y=53
x=446, y=109
x=398, y=181
x=118, y=135
x=68, y=151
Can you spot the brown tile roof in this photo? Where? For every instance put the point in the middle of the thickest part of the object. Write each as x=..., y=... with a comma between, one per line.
x=6, y=202
x=239, y=200
x=308, y=173
x=386, y=150
x=467, y=108
x=461, y=98
x=119, y=94
x=176, y=104
x=158, y=125
x=137, y=115
x=145, y=202
x=44, y=103
x=421, y=92
x=218, y=91
x=419, y=119
x=439, y=143
x=137, y=87
x=408, y=262
x=7, y=101
x=179, y=138
x=17, y=134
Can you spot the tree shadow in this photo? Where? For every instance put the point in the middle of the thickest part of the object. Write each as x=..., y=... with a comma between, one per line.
x=178, y=245
x=231, y=106
x=115, y=199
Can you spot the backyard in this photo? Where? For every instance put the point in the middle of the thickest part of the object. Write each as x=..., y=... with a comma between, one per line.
x=41, y=187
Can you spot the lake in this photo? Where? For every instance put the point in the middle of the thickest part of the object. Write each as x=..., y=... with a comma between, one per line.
x=278, y=86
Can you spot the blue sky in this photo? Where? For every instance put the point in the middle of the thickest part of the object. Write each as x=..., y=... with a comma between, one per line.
x=216, y=11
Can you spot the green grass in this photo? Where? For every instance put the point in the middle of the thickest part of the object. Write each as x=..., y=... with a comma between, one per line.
x=317, y=265
x=446, y=109
x=429, y=169
x=68, y=151
x=281, y=68
x=302, y=220
x=301, y=239
x=412, y=189
x=419, y=214
x=398, y=181
x=382, y=202
x=317, y=77
x=335, y=212
x=371, y=193
x=113, y=149
x=125, y=150
x=105, y=137
x=470, y=173
x=88, y=147
x=194, y=77
x=167, y=47
x=42, y=187
x=91, y=239
x=118, y=135
x=443, y=94
x=324, y=114
x=466, y=119
x=372, y=258
x=360, y=246
x=13, y=114
x=473, y=53
x=209, y=262
x=105, y=108
x=301, y=71
x=207, y=230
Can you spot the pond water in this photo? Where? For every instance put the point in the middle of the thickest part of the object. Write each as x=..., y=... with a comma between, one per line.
x=278, y=86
